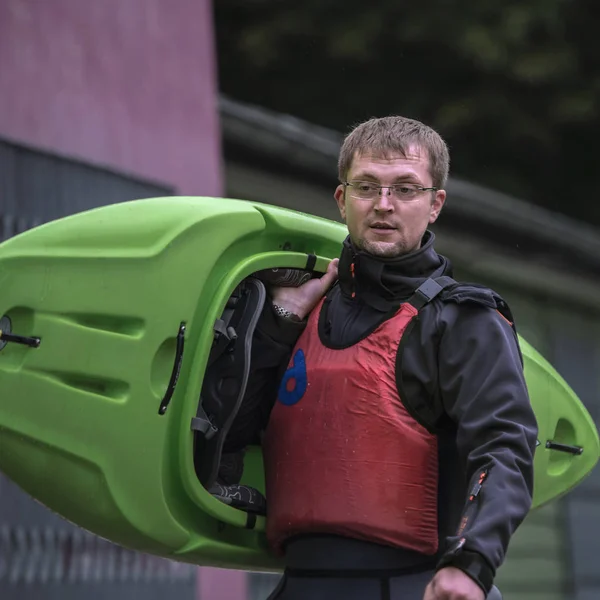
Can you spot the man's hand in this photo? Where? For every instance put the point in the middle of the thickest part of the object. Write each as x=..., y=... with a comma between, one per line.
x=303, y=299
x=450, y=583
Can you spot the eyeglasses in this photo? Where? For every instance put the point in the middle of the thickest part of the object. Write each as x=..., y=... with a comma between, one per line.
x=367, y=190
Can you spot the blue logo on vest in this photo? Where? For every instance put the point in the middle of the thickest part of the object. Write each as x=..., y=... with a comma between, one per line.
x=294, y=382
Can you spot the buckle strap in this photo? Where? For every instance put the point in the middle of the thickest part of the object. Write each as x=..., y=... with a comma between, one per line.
x=428, y=290
x=202, y=423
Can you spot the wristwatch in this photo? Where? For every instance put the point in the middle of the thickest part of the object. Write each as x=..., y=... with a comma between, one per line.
x=284, y=313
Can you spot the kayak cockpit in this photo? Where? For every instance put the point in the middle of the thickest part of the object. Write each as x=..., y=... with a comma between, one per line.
x=224, y=385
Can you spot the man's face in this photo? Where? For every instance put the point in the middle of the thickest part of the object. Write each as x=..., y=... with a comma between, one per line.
x=386, y=225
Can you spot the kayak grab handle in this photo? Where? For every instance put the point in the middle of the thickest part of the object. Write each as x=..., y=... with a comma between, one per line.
x=32, y=342
x=175, y=372
x=564, y=447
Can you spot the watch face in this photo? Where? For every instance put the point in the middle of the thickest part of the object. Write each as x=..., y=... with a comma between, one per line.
x=286, y=314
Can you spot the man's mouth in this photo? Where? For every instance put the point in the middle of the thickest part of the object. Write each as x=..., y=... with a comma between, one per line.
x=383, y=226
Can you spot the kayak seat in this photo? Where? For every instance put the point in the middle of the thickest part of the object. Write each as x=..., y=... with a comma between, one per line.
x=224, y=386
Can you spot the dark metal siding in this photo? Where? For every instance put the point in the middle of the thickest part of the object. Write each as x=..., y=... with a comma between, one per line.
x=36, y=187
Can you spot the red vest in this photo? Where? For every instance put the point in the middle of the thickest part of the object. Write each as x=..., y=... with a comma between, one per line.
x=342, y=454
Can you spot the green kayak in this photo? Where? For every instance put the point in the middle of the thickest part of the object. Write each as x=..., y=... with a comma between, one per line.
x=108, y=319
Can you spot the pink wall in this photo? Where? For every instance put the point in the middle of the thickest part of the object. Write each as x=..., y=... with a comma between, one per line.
x=128, y=85
x=218, y=584
x=120, y=83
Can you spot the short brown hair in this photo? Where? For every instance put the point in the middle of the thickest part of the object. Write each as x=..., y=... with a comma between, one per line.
x=396, y=134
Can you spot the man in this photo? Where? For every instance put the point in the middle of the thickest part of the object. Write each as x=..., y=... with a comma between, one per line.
x=399, y=450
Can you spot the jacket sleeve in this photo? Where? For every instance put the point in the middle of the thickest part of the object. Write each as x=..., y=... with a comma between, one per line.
x=272, y=345
x=484, y=393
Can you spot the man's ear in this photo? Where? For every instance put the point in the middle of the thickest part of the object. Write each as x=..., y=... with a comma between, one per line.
x=437, y=205
x=340, y=198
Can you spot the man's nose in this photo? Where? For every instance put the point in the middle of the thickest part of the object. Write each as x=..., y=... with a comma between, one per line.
x=384, y=200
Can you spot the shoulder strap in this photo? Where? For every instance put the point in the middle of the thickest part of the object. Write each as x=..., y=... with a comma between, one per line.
x=421, y=409
x=427, y=411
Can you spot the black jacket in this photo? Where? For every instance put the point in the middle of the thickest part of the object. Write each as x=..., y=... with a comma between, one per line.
x=462, y=359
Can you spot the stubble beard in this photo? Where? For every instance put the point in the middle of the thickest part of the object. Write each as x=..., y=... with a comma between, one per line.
x=383, y=249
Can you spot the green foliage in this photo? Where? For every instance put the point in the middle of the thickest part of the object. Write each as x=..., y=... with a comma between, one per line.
x=513, y=86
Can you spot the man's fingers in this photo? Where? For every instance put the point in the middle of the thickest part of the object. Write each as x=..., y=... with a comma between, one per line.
x=429, y=595
x=333, y=265
x=330, y=275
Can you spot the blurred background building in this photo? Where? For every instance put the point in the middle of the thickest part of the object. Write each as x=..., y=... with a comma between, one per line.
x=116, y=100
